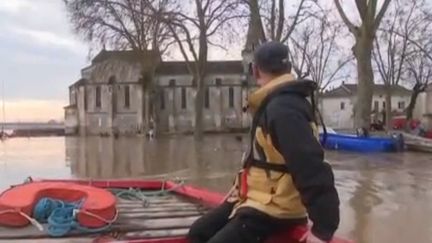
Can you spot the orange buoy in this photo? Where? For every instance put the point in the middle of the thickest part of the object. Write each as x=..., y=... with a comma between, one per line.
x=17, y=203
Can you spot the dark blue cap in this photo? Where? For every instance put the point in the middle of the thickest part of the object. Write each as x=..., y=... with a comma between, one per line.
x=272, y=57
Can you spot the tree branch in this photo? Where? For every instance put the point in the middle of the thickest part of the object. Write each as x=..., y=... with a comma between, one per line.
x=281, y=21
x=380, y=14
x=295, y=22
x=352, y=28
x=273, y=19
x=362, y=8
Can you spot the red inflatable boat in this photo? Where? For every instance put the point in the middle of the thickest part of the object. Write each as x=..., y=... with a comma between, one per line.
x=148, y=211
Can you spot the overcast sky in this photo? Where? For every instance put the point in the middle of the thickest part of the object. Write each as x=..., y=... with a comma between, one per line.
x=40, y=57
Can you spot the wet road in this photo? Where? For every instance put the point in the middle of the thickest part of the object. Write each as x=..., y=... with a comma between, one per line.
x=384, y=197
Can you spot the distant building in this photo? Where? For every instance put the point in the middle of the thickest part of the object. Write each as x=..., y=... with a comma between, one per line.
x=337, y=105
x=423, y=110
x=109, y=97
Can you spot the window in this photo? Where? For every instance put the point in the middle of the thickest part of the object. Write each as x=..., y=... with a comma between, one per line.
x=127, y=96
x=85, y=100
x=218, y=82
x=384, y=104
x=401, y=105
x=183, y=98
x=112, y=80
x=72, y=96
x=342, y=105
x=162, y=99
x=207, y=98
x=98, y=97
x=376, y=106
x=231, y=97
x=172, y=82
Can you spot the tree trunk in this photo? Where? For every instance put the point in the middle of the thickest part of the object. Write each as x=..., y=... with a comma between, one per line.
x=202, y=70
x=199, y=107
x=255, y=33
x=388, y=108
x=411, y=107
x=146, y=109
x=146, y=81
x=363, y=54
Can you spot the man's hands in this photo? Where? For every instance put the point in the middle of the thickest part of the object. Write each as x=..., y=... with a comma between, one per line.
x=310, y=238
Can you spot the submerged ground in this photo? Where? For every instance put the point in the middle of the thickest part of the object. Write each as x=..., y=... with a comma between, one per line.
x=385, y=197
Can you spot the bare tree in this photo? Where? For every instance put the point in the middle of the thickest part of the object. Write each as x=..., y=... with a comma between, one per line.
x=192, y=26
x=315, y=53
x=269, y=20
x=124, y=24
x=419, y=68
x=391, y=50
x=406, y=52
x=364, y=34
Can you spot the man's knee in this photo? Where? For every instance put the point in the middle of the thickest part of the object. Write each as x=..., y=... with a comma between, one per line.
x=233, y=232
x=197, y=233
x=208, y=225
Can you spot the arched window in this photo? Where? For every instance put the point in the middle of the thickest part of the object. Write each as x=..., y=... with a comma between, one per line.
x=112, y=80
x=127, y=96
x=98, y=97
x=231, y=97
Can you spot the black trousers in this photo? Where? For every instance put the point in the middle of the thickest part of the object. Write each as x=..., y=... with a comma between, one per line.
x=247, y=226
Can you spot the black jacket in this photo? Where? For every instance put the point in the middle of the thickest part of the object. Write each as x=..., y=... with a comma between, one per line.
x=287, y=117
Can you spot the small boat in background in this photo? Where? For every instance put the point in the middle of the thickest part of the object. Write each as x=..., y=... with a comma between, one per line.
x=5, y=134
x=147, y=212
x=355, y=143
x=417, y=143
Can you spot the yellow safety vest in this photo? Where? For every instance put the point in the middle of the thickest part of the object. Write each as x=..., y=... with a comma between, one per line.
x=271, y=191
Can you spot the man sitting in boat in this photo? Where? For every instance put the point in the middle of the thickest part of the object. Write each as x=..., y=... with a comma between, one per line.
x=285, y=178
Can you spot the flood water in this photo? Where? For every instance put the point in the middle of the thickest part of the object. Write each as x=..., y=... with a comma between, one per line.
x=384, y=197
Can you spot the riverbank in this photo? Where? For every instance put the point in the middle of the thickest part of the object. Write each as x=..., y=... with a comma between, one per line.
x=32, y=129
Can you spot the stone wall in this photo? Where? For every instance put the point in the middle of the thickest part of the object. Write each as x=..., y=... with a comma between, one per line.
x=116, y=113
x=218, y=116
x=174, y=99
x=123, y=71
x=71, y=120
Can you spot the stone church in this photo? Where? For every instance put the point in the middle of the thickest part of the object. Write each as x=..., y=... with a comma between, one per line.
x=109, y=97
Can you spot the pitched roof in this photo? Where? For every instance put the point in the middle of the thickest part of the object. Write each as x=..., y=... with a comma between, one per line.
x=73, y=106
x=127, y=55
x=213, y=67
x=346, y=90
x=80, y=82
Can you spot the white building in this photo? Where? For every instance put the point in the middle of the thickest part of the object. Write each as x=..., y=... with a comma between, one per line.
x=337, y=105
x=423, y=110
x=109, y=98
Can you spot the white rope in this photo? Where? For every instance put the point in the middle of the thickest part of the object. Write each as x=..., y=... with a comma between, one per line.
x=229, y=194
x=97, y=216
x=33, y=221
x=163, y=185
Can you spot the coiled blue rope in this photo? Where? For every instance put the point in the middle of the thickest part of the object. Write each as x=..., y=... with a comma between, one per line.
x=60, y=217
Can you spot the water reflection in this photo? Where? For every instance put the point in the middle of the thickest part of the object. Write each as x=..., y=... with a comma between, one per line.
x=384, y=197
x=209, y=162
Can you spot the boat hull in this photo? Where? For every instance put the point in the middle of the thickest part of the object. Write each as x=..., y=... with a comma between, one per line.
x=196, y=195
x=416, y=143
x=360, y=144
